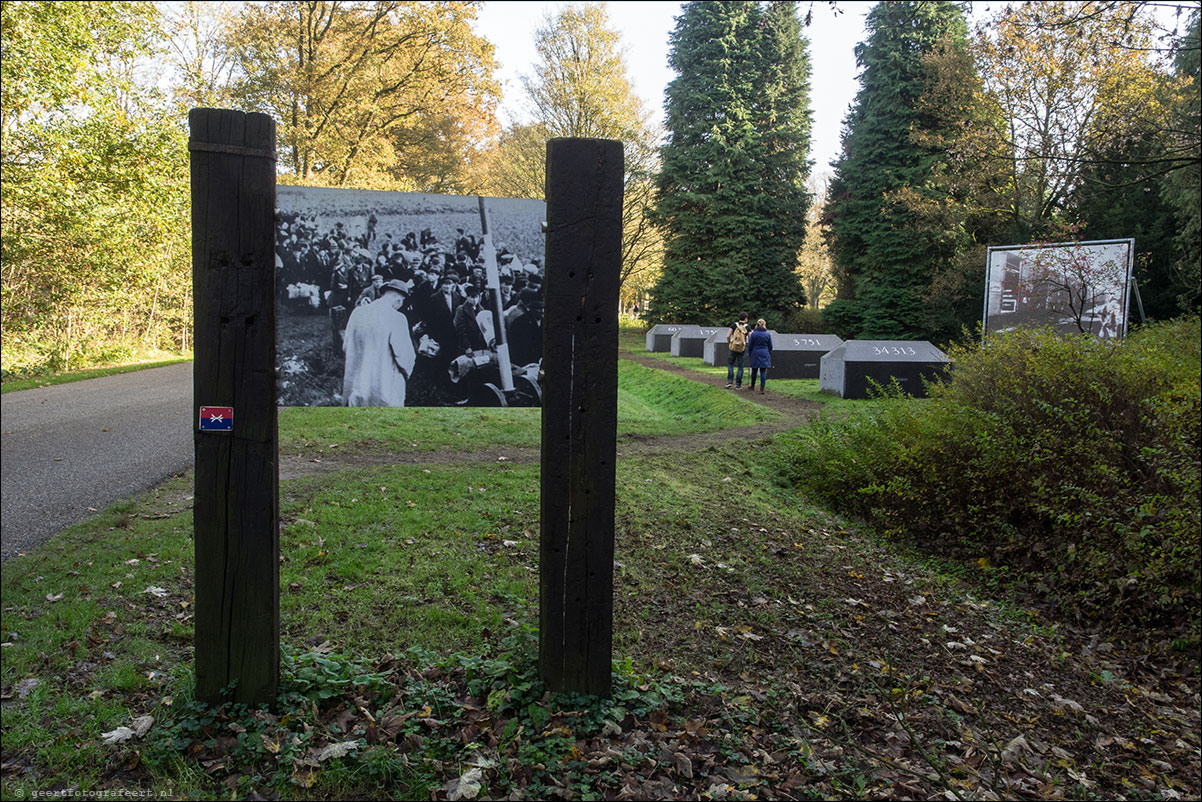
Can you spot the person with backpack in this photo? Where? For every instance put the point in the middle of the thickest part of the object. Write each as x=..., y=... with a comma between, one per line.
x=736, y=351
x=759, y=344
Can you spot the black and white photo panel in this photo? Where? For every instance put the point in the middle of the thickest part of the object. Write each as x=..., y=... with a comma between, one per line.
x=407, y=299
x=1072, y=287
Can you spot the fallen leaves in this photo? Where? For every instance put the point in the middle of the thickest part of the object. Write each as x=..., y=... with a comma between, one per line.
x=27, y=686
x=336, y=750
x=465, y=786
x=809, y=661
x=141, y=726
x=117, y=736
x=1069, y=703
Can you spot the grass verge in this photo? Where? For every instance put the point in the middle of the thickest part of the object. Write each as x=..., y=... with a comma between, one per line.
x=92, y=373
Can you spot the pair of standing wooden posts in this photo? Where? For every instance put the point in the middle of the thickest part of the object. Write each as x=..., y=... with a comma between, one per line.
x=236, y=505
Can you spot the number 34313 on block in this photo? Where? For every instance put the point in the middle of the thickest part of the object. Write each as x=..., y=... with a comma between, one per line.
x=216, y=419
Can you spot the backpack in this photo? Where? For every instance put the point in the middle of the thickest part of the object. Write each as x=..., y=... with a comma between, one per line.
x=738, y=338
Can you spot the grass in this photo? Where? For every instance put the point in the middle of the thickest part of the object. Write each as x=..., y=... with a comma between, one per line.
x=766, y=641
x=650, y=403
x=428, y=557
x=407, y=552
x=372, y=430
x=78, y=618
x=634, y=341
x=724, y=584
x=374, y=561
x=92, y=373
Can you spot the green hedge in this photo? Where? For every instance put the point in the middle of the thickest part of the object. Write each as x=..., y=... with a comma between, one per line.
x=1074, y=459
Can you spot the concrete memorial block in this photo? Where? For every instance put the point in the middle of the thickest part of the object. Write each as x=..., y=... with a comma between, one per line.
x=690, y=340
x=659, y=337
x=715, y=347
x=798, y=356
x=714, y=351
x=850, y=368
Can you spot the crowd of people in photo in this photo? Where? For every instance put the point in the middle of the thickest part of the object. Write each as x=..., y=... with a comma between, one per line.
x=413, y=315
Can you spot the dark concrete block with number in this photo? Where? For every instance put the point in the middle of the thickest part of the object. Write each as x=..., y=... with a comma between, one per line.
x=659, y=337
x=690, y=340
x=799, y=356
x=850, y=369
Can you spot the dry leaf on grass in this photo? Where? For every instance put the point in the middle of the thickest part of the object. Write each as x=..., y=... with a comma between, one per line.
x=465, y=786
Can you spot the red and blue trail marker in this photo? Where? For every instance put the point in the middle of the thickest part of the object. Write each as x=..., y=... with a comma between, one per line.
x=216, y=419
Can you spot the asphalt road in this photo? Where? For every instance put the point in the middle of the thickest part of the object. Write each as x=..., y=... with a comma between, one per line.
x=72, y=449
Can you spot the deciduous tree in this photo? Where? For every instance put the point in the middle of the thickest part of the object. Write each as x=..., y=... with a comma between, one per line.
x=580, y=85
x=580, y=88
x=202, y=66
x=814, y=261
x=94, y=186
x=393, y=95
x=1075, y=83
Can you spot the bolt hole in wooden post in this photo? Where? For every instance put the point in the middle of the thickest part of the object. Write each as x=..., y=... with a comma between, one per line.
x=580, y=341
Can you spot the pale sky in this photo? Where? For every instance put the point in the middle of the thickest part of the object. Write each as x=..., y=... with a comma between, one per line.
x=645, y=27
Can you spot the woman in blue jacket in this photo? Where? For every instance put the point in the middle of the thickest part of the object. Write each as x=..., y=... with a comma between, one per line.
x=759, y=349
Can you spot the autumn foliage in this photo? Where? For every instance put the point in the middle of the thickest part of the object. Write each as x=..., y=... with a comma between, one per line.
x=1074, y=460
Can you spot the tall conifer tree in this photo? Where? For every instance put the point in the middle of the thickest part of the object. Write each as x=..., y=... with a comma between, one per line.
x=730, y=193
x=1181, y=189
x=884, y=258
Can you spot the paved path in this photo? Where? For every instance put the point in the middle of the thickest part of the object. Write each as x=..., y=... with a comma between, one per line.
x=73, y=449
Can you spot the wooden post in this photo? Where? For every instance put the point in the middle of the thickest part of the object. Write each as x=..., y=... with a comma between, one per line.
x=580, y=414
x=236, y=505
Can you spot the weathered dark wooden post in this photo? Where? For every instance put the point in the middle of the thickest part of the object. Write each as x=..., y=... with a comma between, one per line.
x=236, y=502
x=580, y=413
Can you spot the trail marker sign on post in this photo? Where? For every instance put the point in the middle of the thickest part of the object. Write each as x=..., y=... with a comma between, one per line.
x=236, y=508
x=216, y=419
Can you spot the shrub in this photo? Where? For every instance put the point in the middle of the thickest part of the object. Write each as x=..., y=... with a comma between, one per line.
x=1071, y=458
x=805, y=320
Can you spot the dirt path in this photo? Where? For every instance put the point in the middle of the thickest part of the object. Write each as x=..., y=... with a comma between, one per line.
x=794, y=412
